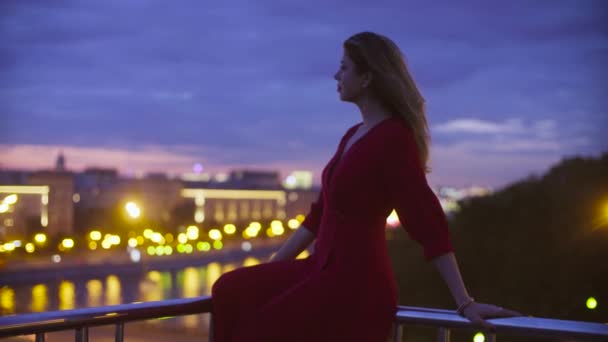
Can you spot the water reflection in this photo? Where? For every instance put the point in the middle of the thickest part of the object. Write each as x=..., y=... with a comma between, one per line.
x=39, y=298
x=116, y=289
x=113, y=290
x=66, y=295
x=7, y=300
x=94, y=292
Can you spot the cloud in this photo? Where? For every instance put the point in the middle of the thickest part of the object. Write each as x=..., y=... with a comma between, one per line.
x=512, y=135
x=477, y=126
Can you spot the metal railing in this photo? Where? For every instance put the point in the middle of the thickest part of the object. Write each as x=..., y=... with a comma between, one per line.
x=80, y=320
x=445, y=320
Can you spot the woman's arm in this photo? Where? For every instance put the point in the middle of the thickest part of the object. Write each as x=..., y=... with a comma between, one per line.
x=448, y=268
x=294, y=245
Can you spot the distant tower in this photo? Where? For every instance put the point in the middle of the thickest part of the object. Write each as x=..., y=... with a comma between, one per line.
x=60, y=163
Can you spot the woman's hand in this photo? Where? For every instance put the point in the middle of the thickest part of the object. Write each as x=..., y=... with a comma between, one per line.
x=476, y=312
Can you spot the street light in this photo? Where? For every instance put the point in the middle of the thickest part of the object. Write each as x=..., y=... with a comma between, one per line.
x=133, y=210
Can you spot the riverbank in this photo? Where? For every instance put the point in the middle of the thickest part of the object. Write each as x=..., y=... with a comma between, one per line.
x=103, y=263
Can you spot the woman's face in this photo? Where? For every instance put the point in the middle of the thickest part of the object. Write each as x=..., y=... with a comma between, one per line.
x=350, y=83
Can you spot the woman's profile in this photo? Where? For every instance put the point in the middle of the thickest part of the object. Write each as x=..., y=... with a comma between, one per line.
x=346, y=289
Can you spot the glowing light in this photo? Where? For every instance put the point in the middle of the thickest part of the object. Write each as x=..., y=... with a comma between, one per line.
x=250, y=261
x=148, y=233
x=160, y=250
x=66, y=295
x=192, y=232
x=106, y=244
x=10, y=199
x=135, y=255
x=44, y=199
x=215, y=234
x=169, y=237
x=393, y=220
x=67, y=243
x=92, y=245
x=114, y=239
x=17, y=243
x=132, y=242
x=277, y=195
x=246, y=246
x=29, y=247
x=140, y=240
x=39, y=298
x=203, y=246
x=300, y=218
x=256, y=225
x=188, y=248
x=168, y=250
x=277, y=228
x=182, y=238
x=133, y=210
x=151, y=250
x=591, y=303
x=3, y=208
x=293, y=224
x=251, y=232
x=95, y=235
x=218, y=244
x=479, y=337
x=24, y=189
x=269, y=232
x=157, y=238
x=290, y=182
x=181, y=248
x=56, y=258
x=44, y=220
x=303, y=255
x=199, y=216
x=40, y=238
x=76, y=198
x=229, y=229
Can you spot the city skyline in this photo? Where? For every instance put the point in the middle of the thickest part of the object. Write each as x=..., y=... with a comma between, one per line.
x=149, y=86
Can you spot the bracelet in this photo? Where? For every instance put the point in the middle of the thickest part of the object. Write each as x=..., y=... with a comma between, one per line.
x=463, y=306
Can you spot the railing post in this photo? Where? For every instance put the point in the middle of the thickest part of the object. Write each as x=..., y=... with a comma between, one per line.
x=40, y=337
x=82, y=334
x=443, y=335
x=397, y=332
x=120, y=332
x=210, y=335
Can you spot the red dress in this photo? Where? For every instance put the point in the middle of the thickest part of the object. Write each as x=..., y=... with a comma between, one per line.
x=346, y=290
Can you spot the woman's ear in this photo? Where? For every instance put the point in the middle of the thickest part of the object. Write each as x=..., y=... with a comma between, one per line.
x=367, y=79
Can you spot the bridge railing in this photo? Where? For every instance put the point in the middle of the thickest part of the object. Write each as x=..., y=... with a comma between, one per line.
x=80, y=320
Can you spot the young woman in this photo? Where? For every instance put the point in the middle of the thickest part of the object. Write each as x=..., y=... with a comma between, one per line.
x=346, y=290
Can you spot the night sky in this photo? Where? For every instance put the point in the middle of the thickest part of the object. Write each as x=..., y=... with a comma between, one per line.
x=512, y=87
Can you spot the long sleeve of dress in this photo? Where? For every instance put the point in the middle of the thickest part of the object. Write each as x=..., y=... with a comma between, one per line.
x=313, y=218
x=418, y=208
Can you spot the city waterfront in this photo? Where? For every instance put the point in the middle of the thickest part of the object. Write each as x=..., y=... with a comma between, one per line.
x=80, y=289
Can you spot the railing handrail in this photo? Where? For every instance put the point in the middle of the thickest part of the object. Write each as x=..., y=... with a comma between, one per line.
x=522, y=326
x=103, y=315
x=114, y=314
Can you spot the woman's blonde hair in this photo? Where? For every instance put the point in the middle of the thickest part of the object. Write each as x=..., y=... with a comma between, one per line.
x=391, y=83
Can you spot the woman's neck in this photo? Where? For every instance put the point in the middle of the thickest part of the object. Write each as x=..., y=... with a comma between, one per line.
x=372, y=112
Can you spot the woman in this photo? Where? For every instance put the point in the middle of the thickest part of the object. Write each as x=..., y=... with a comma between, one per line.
x=346, y=290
